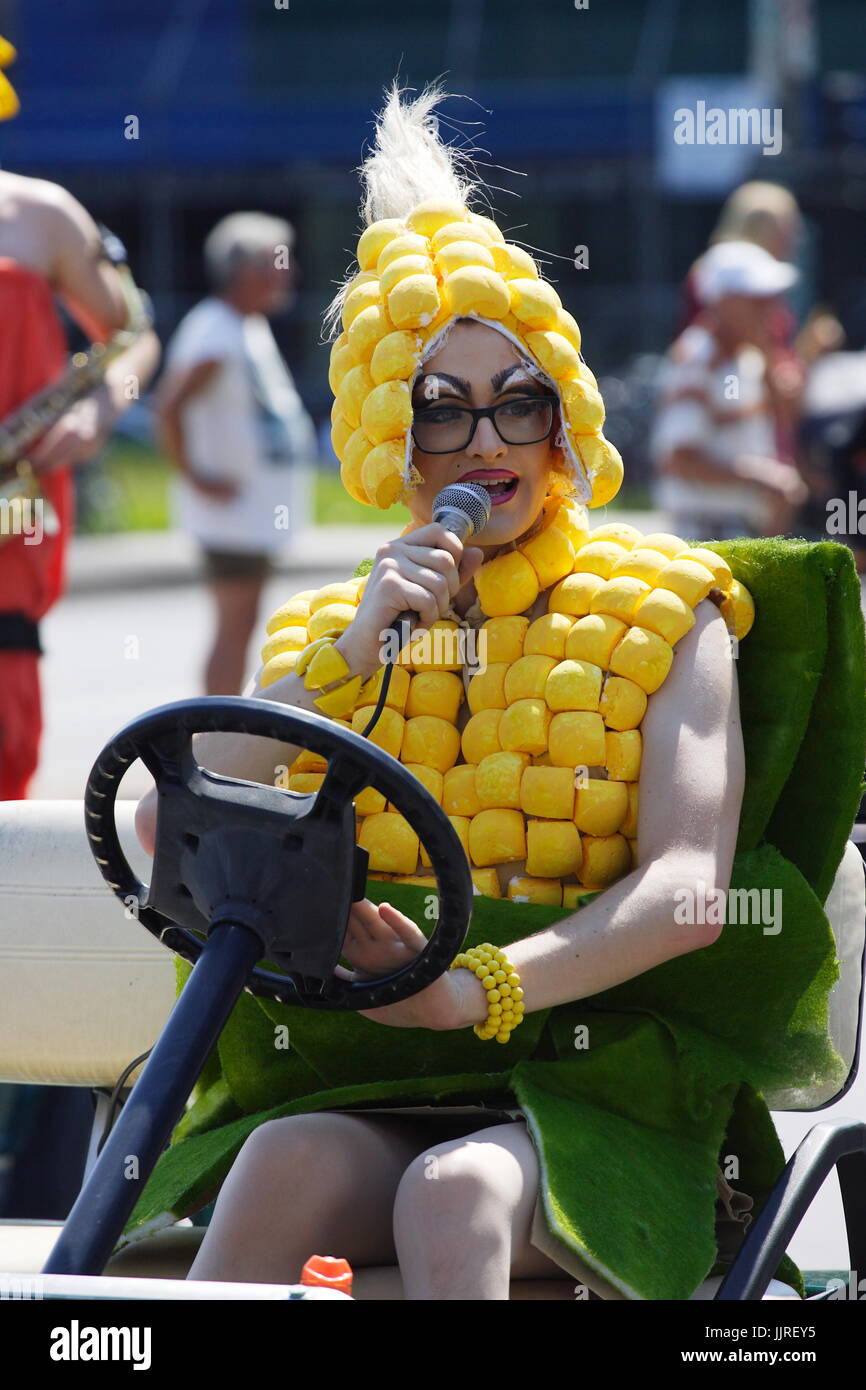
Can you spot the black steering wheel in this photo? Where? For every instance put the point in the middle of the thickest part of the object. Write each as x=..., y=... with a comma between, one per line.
x=284, y=864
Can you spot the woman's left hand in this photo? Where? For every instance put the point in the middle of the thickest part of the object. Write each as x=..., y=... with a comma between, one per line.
x=379, y=941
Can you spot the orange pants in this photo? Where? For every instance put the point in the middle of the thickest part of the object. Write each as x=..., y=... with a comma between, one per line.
x=20, y=722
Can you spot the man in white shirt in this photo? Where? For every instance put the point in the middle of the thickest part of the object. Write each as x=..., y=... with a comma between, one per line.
x=235, y=427
x=713, y=439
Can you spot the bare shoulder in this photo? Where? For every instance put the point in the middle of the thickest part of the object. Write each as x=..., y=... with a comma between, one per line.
x=701, y=688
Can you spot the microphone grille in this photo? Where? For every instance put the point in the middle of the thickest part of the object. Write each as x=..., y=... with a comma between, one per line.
x=470, y=498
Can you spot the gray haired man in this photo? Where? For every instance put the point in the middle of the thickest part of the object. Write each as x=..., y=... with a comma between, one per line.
x=235, y=427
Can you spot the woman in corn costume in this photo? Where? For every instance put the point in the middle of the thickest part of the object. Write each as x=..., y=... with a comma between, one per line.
x=602, y=673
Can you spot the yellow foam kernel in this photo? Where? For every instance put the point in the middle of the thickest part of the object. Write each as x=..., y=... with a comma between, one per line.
x=355, y=451
x=395, y=357
x=485, y=883
x=481, y=735
x=605, y=859
x=278, y=666
x=459, y=796
x=641, y=563
x=600, y=806
x=398, y=270
x=455, y=254
x=419, y=880
x=664, y=612
x=526, y=678
x=496, y=837
x=461, y=827
x=375, y=238
x=567, y=325
x=738, y=609
x=573, y=520
x=506, y=585
x=547, y=792
x=600, y=557
x=487, y=689
x=546, y=636
x=502, y=639
x=553, y=849
x=398, y=689
x=583, y=405
x=497, y=779
x=523, y=726
x=305, y=781
x=429, y=778
x=550, y=553
x=689, y=579
x=307, y=761
x=435, y=692
x=361, y=297
x=523, y=889
x=390, y=842
x=513, y=263
x=332, y=615
x=573, y=685
x=341, y=433
x=382, y=473
x=351, y=478
x=487, y=225
x=460, y=231
x=554, y=353
x=369, y=802
x=603, y=465
x=333, y=593
x=431, y=740
x=354, y=390
x=367, y=329
x=716, y=564
x=618, y=531
x=427, y=217
x=622, y=704
x=574, y=594
x=387, y=732
x=644, y=657
x=666, y=542
x=475, y=289
x=341, y=360
x=414, y=301
x=623, y=754
x=629, y=825
x=577, y=739
x=534, y=302
x=387, y=411
x=288, y=639
x=407, y=244
x=571, y=895
x=439, y=648
x=619, y=598
x=594, y=638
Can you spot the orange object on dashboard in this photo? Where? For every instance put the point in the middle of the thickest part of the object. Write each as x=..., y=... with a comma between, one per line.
x=328, y=1271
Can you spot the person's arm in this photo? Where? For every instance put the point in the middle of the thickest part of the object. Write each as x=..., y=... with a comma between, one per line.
x=691, y=788
x=179, y=385
x=86, y=281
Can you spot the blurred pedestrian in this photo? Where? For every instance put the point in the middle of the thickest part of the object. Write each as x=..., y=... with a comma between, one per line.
x=713, y=442
x=234, y=425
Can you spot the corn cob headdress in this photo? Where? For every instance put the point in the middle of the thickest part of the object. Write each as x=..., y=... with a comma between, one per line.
x=424, y=262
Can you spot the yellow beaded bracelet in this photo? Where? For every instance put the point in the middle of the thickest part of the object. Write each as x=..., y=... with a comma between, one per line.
x=502, y=985
x=325, y=669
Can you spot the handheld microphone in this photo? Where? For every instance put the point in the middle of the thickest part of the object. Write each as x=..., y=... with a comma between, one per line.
x=464, y=510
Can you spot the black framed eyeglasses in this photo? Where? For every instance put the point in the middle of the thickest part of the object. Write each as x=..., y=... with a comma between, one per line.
x=446, y=429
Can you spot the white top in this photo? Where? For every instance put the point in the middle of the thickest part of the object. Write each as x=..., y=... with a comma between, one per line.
x=248, y=425
x=719, y=407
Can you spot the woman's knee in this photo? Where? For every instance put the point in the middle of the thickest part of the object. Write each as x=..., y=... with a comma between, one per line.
x=307, y=1149
x=485, y=1171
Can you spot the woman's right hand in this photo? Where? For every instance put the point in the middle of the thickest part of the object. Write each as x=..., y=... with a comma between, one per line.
x=422, y=571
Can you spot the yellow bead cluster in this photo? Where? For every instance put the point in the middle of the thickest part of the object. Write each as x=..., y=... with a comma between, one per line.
x=541, y=782
x=416, y=276
x=501, y=984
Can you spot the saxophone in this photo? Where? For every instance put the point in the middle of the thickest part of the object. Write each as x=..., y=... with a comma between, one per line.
x=20, y=492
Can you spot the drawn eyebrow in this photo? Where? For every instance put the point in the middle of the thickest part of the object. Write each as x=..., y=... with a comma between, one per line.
x=463, y=387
